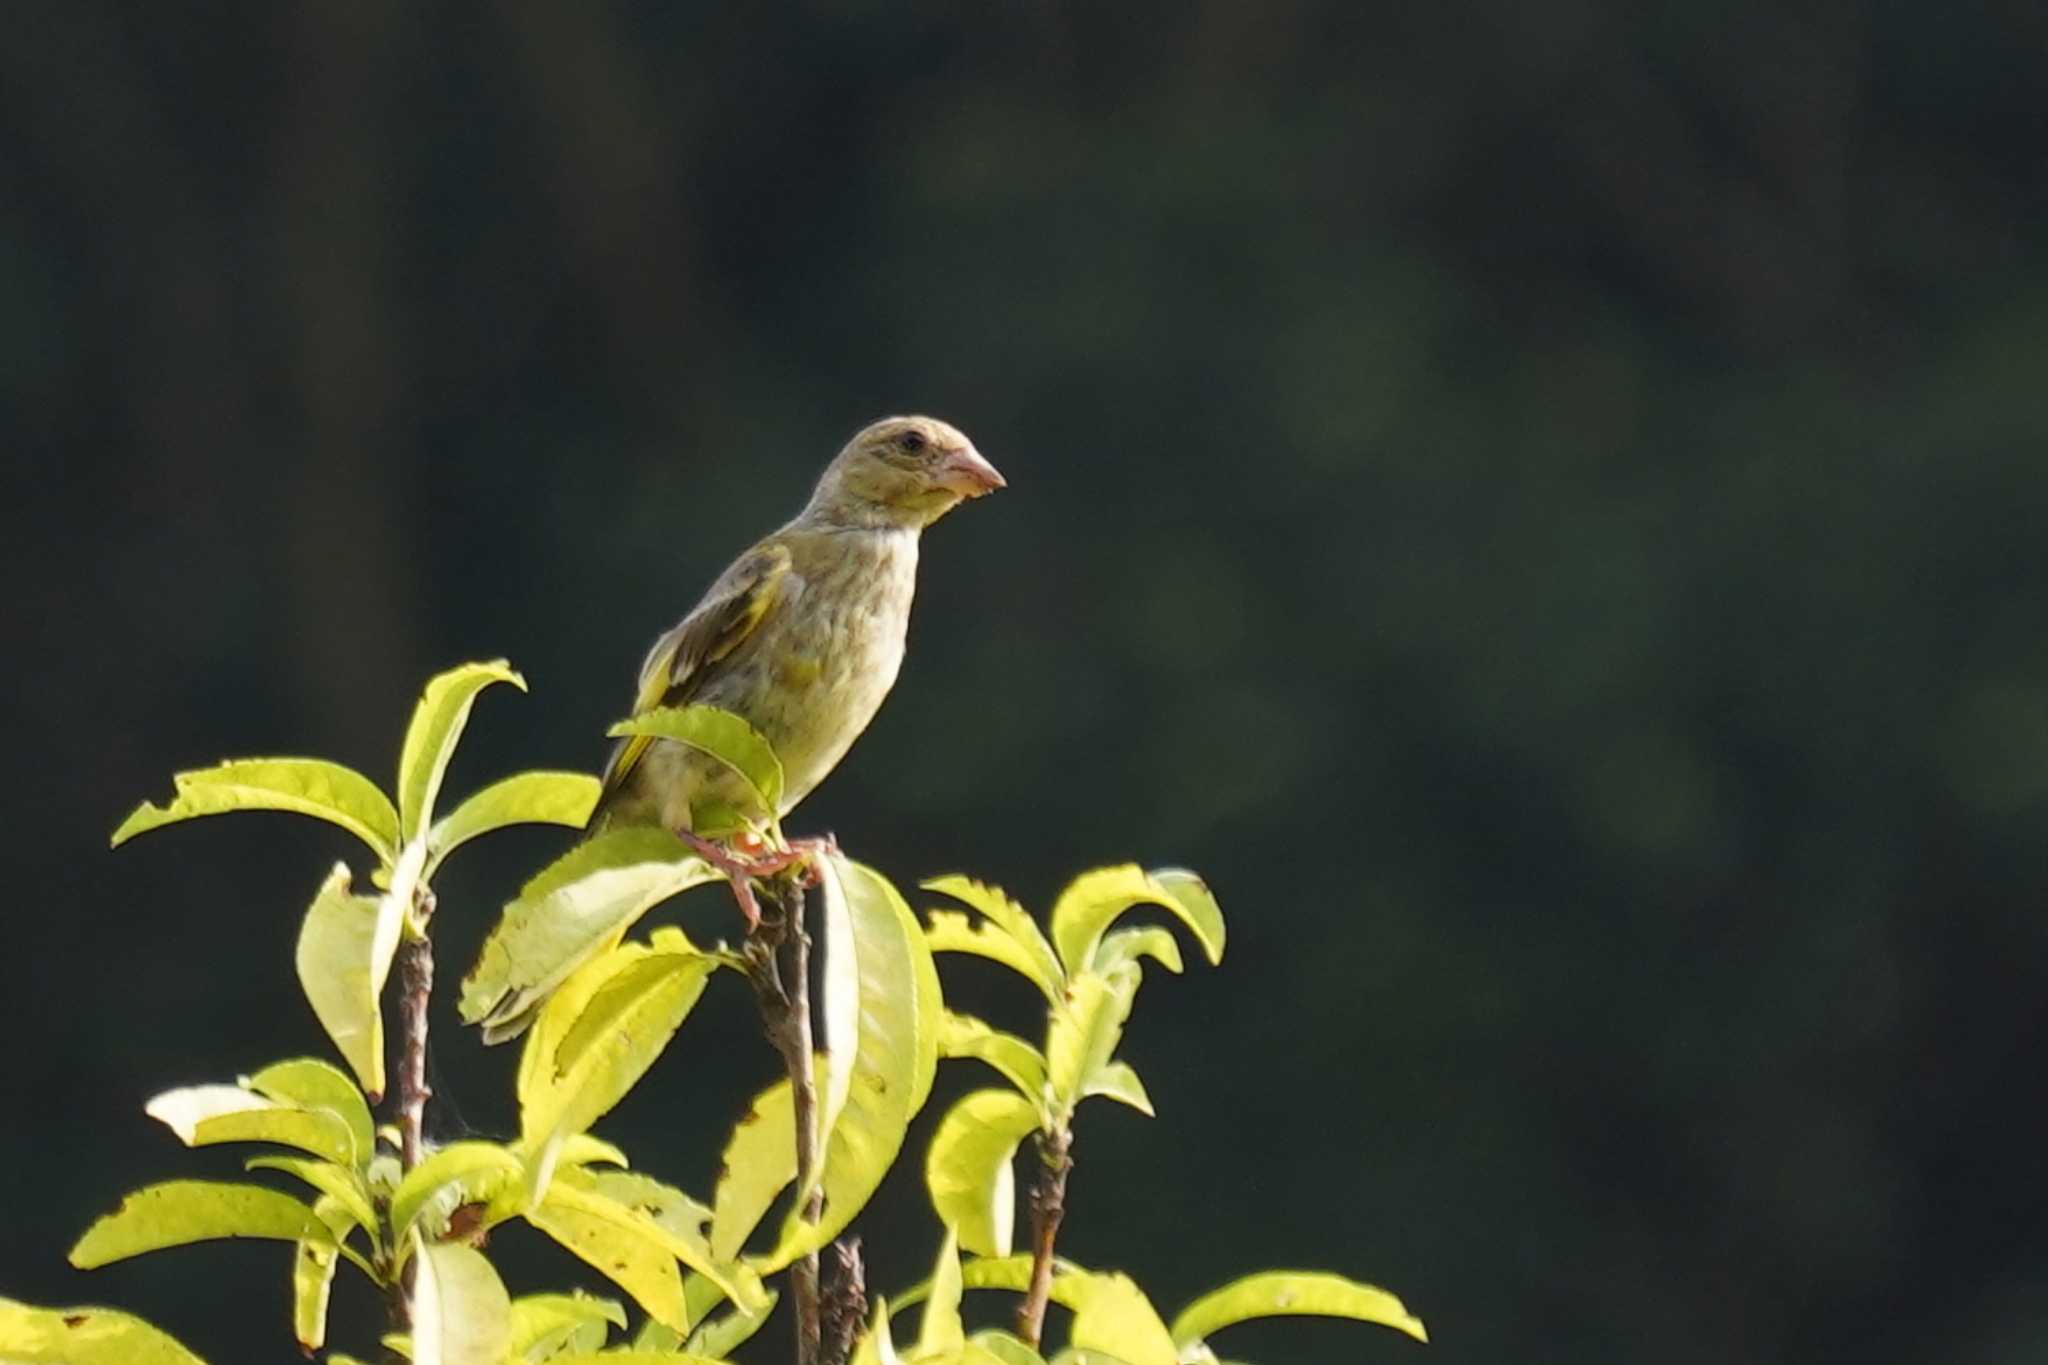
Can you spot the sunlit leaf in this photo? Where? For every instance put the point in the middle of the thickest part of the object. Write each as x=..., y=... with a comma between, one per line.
x=1278, y=1293
x=181, y=1211
x=1128, y=945
x=962, y=1035
x=313, y=1084
x=876, y=1347
x=1006, y=1349
x=968, y=1171
x=338, y=1183
x=616, y=1357
x=624, y=1255
x=313, y=1272
x=1118, y=1082
x=1085, y=1030
x=591, y=1199
x=460, y=1173
x=544, y=1325
x=950, y=931
x=202, y=1115
x=895, y=1055
x=1094, y=900
x=344, y=957
x=723, y=736
x=575, y=909
x=581, y=1149
x=720, y=1336
x=1034, y=956
x=83, y=1336
x=601, y=1031
x=437, y=724
x=758, y=1164
x=461, y=1314
x=941, y=1331
x=306, y=786
x=1111, y=1314
x=535, y=798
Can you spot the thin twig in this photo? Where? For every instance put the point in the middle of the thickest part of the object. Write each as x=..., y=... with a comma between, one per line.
x=845, y=1308
x=781, y=956
x=1048, y=1207
x=416, y=988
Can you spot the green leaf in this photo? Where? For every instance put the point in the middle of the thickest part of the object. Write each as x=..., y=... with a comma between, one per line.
x=723, y=736
x=83, y=1336
x=575, y=909
x=533, y=798
x=759, y=1163
x=595, y=1199
x=461, y=1314
x=313, y=1272
x=340, y=1184
x=344, y=954
x=306, y=786
x=968, y=1171
x=1006, y=1349
x=1277, y=1293
x=1112, y=1314
x=720, y=1336
x=1033, y=956
x=437, y=724
x=624, y=1255
x=895, y=1055
x=460, y=1173
x=1118, y=1082
x=949, y=931
x=202, y=1115
x=963, y=1035
x=875, y=1346
x=1094, y=900
x=601, y=1031
x=545, y=1325
x=313, y=1084
x=941, y=1331
x=1085, y=1030
x=1128, y=945
x=633, y=1358
x=181, y=1211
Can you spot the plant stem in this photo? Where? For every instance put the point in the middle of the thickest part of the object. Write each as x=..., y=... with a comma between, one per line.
x=845, y=1308
x=781, y=955
x=415, y=963
x=1048, y=1207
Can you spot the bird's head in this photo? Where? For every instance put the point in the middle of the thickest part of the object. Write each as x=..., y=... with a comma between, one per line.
x=903, y=471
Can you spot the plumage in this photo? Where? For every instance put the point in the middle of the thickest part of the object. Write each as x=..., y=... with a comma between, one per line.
x=803, y=634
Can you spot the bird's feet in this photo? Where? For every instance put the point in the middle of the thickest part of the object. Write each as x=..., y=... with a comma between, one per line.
x=751, y=857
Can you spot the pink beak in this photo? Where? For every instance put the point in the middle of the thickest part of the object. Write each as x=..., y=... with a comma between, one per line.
x=963, y=471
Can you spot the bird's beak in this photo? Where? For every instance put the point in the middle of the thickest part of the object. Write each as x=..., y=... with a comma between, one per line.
x=963, y=471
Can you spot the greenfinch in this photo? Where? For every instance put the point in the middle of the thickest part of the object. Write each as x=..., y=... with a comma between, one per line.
x=801, y=636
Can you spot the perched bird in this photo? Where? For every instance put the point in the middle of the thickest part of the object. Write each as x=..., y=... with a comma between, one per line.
x=801, y=636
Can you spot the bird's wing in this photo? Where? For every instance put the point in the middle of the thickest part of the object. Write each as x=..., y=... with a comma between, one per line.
x=731, y=611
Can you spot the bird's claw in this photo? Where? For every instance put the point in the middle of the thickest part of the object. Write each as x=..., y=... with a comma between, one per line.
x=741, y=867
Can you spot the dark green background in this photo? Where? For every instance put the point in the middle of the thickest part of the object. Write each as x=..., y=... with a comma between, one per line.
x=1542, y=503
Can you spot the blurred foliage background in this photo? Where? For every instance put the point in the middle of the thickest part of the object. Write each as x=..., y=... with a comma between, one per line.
x=1542, y=503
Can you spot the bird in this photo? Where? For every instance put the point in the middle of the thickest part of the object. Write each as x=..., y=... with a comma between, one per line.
x=802, y=637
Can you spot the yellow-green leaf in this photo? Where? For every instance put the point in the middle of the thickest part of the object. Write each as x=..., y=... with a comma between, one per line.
x=1085, y=1030
x=535, y=798
x=546, y=1325
x=1038, y=961
x=720, y=1336
x=941, y=1331
x=723, y=736
x=313, y=1274
x=950, y=931
x=963, y=1035
x=575, y=909
x=344, y=1187
x=1112, y=1314
x=344, y=954
x=1128, y=945
x=460, y=1173
x=461, y=1314
x=202, y=1115
x=739, y=1283
x=313, y=1084
x=1278, y=1293
x=181, y=1211
x=305, y=786
x=875, y=1346
x=83, y=1336
x=895, y=1055
x=437, y=724
x=616, y=1357
x=1094, y=900
x=1116, y=1081
x=1005, y=1349
x=968, y=1171
x=758, y=1164
x=600, y=1032
x=624, y=1255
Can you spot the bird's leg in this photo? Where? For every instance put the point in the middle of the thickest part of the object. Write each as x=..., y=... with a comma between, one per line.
x=738, y=870
x=800, y=853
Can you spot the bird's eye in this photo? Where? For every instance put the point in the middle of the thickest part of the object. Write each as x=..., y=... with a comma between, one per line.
x=912, y=441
